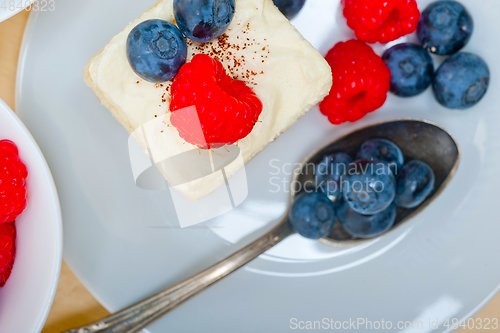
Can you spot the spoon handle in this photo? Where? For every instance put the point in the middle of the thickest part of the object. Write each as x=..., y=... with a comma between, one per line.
x=141, y=315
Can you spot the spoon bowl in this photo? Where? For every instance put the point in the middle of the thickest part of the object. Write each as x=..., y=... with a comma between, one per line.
x=418, y=140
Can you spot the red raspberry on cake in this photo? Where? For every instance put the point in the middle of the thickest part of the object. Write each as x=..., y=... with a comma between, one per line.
x=361, y=81
x=7, y=250
x=381, y=20
x=13, y=175
x=227, y=109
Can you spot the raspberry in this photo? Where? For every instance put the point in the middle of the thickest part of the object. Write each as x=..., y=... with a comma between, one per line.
x=381, y=20
x=13, y=175
x=7, y=250
x=361, y=81
x=227, y=109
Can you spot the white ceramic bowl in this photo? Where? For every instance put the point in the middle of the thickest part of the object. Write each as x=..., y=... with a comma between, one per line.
x=26, y=298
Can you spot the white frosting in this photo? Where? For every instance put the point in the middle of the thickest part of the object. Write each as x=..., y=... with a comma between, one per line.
x=285, y=71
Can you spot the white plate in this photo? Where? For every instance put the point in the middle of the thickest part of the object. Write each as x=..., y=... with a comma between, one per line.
x=444, y=264
x=9, y=8
x=26, y=298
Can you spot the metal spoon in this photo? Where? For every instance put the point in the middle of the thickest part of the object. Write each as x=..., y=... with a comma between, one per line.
x=417, y=139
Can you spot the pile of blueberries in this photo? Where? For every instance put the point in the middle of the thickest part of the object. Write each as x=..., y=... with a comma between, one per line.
x=461, y=81
x=361, y=194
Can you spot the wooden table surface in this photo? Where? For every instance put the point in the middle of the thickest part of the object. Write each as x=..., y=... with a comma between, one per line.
x=73, y=305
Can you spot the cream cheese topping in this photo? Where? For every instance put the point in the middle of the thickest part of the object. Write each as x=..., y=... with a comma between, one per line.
x=260, y=47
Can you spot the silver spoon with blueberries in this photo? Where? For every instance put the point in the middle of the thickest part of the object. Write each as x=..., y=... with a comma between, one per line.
x=353, y=189
x=375, y=178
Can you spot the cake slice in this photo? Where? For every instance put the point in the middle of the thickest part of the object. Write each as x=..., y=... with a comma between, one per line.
x=260, y=47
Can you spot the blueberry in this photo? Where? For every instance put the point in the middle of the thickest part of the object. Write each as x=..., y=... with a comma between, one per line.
x=312, y=215
x=414, y=184
x=412, y=69
x=329, y=171
x=368, y=187
x=203, y=20
x=365, y=226
x=289, y=8
x=445, y=27
x=461, y=81
x=384, y=151
x=156, y=50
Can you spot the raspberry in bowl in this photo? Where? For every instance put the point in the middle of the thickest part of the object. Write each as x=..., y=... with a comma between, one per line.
x=7, y=250
x=13, y=174
x=30, y=247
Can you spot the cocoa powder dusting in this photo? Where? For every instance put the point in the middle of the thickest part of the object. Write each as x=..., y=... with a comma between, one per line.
x=229, y=53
